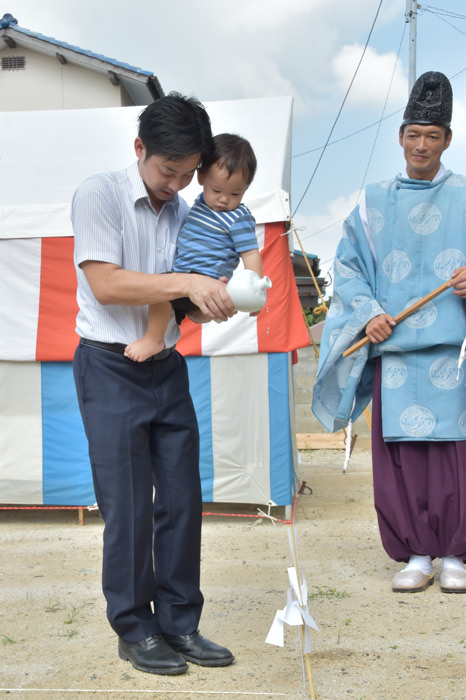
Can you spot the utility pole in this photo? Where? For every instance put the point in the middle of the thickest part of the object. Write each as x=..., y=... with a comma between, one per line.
x=411, y=17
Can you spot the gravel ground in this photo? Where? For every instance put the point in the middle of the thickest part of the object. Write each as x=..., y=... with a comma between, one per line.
x=372, y=644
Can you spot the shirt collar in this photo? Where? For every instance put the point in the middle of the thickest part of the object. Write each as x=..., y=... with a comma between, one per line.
x=139, y=191
x=441, y=172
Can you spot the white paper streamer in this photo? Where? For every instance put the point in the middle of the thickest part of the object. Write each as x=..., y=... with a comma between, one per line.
x=295, y=613
x=461, y=358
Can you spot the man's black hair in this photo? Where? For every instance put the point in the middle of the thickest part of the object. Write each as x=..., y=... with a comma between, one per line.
x=175, y=127
x=233, y=153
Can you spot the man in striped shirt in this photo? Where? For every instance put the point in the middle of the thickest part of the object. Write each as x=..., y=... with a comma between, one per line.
x=139, y=417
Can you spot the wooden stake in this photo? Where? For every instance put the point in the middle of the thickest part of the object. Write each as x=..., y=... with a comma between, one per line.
x=401, y=316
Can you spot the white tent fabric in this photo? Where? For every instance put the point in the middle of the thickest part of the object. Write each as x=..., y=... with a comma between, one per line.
x=45, y=155
x=240, y=372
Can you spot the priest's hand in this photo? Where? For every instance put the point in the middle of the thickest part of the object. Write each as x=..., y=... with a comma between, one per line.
x=458, y=282
x=380, y=328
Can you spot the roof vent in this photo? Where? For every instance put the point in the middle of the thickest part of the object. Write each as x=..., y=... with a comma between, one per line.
x=13, y=63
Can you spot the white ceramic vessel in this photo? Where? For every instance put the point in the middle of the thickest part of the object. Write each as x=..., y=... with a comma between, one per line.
x=248, y=291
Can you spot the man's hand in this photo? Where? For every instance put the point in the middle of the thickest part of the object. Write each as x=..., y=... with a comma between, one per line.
x=210, y=296
x=111, y=284
x=380, y=328
x=458, y=282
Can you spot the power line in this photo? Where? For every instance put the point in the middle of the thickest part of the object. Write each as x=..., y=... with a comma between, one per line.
x=441, y=11
x=321, y=230
x=364, y=128
x=441, y=14
x=348, y=136
x=381, y=118
x=340, y=110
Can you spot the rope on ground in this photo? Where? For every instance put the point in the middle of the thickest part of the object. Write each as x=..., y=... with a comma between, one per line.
x=191, y=693
x=302, y=488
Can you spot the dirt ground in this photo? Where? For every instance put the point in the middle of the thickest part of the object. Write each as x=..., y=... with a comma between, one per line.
x=55, y=642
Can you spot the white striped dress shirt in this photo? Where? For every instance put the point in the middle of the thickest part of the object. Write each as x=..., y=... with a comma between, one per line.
x=114, y=221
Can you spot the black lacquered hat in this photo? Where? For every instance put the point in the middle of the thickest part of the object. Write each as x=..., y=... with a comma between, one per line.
x=430, y=101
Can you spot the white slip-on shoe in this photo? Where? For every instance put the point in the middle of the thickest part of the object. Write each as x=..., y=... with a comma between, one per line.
x=453, y=580
x=411, y=581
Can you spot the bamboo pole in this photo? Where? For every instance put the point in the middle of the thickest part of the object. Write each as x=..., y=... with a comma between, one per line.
x=307, y=659
x=311, y=337
x=401, y=316
x=316, y=285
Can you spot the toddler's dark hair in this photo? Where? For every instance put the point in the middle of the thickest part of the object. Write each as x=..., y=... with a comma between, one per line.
x=233, y=153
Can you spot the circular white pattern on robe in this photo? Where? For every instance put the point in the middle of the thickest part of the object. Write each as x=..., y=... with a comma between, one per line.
x=376, y=221
x=424, y=218
x=443, y=373
x=344, y=270
x=417, y=421
x=348, y=229
x=333, y=336
x=359, y=300
x=336, y=307
x=425, y=317
x=396, y=265
x=462, y=422
x=364, y=309
x=395, y=372
x=447, y=261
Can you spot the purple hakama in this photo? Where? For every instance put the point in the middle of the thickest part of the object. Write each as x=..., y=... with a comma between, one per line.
x=419, y=492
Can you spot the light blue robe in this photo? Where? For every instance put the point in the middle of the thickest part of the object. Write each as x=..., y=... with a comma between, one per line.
x=417, y=238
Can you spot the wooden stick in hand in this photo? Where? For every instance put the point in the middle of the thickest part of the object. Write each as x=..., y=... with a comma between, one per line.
x=404, y=314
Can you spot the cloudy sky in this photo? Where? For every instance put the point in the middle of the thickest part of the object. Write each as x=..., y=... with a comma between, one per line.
x=308, y=49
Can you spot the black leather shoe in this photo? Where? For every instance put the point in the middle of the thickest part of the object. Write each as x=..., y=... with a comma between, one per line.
x=195, y=648
x=152, y=655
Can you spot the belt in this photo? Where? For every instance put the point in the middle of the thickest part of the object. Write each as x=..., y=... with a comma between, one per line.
x=119, y=348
